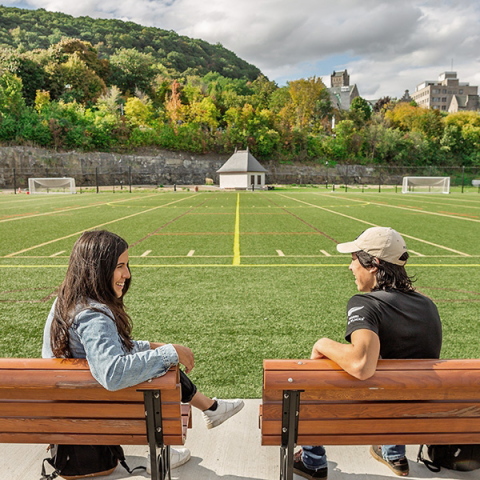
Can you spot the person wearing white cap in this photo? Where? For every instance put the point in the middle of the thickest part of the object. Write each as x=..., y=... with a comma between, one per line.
x=390, y=320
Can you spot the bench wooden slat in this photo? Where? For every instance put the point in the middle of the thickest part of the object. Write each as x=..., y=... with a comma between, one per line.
x=379, y=410
x=90, y=394
x=94, y=439
x=377, y=426
x=44, y=364
x=366, y=394
x=85, y=426
x=401, y=382
x=53, y=379
x=384, y=439
x=82, y=410
x=384, y=365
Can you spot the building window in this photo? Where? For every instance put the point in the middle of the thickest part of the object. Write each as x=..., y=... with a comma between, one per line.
x=460, y=92
x=259, y=179
x=252, y=179
x=444, y=99
x=444, y=107
x=435, y=90
x=444, y=91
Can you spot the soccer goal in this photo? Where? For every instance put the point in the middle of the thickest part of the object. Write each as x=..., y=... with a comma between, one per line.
x=51, y=185
x=426, y=185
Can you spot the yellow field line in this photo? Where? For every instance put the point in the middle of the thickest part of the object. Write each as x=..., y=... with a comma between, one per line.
x=69, y=209
x=375, y=225
x=96, y=226
x=258, y=265
x=236, y=238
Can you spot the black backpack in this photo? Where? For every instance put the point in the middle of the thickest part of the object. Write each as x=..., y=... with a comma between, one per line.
x=78, y=461
x=463, y=458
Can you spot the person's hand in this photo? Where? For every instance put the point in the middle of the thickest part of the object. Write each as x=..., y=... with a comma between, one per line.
x=316, y=353
x=185, y=357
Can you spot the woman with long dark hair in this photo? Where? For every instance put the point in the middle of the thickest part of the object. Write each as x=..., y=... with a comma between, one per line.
x=88, y=320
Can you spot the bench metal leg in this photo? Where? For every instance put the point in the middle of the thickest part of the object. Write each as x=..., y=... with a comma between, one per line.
x=159, y=453
x=291, y=408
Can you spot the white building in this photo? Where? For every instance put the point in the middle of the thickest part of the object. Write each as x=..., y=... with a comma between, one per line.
x=241, y=171
x=447, y=94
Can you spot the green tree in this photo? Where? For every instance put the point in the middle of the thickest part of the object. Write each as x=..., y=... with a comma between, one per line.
x=360, y=111
x=12, y=103
x=132, y=70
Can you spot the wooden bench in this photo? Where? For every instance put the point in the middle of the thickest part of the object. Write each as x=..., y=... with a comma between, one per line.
x=315, y=402
x=58, y=401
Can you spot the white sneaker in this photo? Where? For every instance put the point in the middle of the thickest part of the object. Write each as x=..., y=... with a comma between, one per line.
x=225, y=410
x=178, y=457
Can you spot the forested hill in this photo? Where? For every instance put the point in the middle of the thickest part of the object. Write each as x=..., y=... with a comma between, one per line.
x=39, y=29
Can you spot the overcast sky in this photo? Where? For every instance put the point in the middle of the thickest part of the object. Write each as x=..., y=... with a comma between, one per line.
x=387, y=46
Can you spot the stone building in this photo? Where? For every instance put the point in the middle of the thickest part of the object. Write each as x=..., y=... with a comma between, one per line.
x=447, y=94
x=341, y=92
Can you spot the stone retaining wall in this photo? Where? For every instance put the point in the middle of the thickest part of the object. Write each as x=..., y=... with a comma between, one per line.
x=160, y=167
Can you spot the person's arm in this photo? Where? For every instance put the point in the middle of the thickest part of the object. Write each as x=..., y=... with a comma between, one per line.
x=109, y=364
x=359, y=358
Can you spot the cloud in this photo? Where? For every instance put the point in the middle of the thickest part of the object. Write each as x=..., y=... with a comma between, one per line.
x=388, y=46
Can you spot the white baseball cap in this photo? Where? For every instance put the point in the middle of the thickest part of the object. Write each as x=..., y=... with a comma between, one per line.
x=382, y=242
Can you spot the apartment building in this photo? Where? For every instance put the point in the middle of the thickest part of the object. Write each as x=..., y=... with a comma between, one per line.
x=447, y=94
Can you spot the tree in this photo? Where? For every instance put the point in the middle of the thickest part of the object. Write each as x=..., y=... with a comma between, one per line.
x=11, y=100
x=132, y=70
x=73, y=80
x=139, y=112
x=305, y=95
x=360, y=111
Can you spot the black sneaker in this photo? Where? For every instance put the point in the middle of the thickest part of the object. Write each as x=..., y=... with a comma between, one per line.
x=399, y=467
x=299, y=468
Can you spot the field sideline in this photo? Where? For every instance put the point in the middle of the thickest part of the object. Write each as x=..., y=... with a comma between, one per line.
x=238, y=276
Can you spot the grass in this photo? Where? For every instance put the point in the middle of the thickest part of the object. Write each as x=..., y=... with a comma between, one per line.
x=290, y=288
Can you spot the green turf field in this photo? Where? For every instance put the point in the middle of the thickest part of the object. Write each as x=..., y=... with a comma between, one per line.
x=238, y=277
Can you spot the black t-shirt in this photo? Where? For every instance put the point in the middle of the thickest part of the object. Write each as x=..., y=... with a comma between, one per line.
x=407, y=324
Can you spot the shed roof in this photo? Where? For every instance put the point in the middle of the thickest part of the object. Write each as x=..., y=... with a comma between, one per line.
x=240, y=162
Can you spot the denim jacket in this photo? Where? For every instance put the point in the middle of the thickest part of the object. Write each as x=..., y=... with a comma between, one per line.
x=94, y=336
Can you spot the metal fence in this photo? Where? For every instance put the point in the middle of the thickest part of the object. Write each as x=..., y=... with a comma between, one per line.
x=339, y=176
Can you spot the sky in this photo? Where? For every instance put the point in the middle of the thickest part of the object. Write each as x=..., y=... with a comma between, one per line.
x=386, y=46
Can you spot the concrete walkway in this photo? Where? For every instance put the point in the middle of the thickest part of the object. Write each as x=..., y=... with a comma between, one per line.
x=231, y=451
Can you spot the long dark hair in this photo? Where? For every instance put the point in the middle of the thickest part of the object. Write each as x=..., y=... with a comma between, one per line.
x=388, y=275
x=89, y=276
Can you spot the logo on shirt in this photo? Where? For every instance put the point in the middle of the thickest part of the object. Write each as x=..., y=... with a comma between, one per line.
x=353, y=310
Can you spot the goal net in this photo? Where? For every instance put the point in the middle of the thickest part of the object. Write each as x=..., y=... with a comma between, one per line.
x=426, y=185
x=51, y=185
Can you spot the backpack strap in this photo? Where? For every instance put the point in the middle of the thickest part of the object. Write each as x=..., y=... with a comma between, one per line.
x=53, y=475
x=117, y=452
x=430, y=465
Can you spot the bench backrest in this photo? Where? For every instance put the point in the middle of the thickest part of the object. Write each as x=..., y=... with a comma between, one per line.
x=59, y=401
x=405, y=402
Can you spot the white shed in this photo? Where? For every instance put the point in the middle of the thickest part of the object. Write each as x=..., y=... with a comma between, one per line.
x=241, y=171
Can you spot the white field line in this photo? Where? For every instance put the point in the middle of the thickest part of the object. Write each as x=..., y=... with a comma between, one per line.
x=70, y=209
x=94, y=227
x=411, y=209
x=375, y=225
x=58, y=253
x=423, y=202
x=420, y=199
x=280, y=253
x=146, y=253
x=190, y=253
x=325, y=253
x=415, y=253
